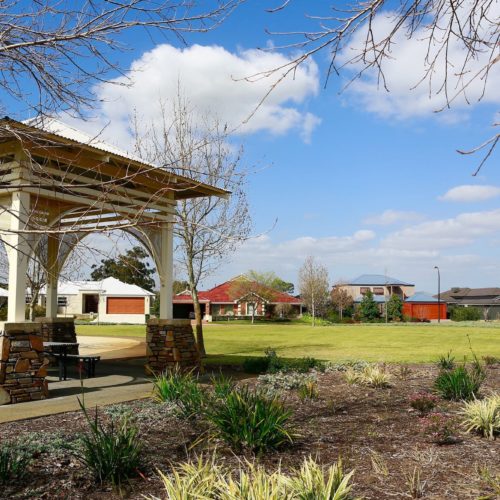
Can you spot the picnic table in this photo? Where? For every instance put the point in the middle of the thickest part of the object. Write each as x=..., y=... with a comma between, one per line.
x=60, y=351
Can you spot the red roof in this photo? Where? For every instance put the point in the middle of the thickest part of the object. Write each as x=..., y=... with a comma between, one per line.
x=221, y=294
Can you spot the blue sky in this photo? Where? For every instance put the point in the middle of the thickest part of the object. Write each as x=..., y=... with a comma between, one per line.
x=366, y=181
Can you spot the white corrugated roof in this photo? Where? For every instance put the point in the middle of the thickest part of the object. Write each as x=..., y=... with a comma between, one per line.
x=56, y=127
x=108, y=286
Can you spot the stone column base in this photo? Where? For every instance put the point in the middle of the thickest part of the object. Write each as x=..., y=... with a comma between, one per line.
x=171, y=345
x=22, y=363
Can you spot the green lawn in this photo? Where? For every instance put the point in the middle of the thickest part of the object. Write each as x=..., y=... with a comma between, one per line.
x=378, y=342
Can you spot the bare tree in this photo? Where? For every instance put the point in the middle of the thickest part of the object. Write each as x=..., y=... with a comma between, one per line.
x=53, y=51
x=341, y=298
x=462, y=44
x=313, y=285
x=207, y=229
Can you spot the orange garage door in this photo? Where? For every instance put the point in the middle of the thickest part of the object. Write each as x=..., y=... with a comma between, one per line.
x=125, y=305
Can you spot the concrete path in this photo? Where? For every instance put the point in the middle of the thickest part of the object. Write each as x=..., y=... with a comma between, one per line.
x=116, y=382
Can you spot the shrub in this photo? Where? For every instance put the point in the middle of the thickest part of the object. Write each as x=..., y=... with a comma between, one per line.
x=182, y=389
x=465, y=314
x=222, y=385
x=285, y=381
x=491, y=360
x=483, y=416
x=204, y=479
x=251, y=419
x=14, y=461
x=309, y=390
x=370, y=375
x=460, y=383
x=440, y=428
x=256, y=365
x=368, y=309
x=192, y=480
x=310, y=483
x=352, y=376
x=423, y=402
x=446, y=362
x=111, y=452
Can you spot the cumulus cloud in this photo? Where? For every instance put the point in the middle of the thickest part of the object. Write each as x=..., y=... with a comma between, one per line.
x=212, y=79
x=404, y=70
x=471, y=193
x=446, y=233
x=389, y=217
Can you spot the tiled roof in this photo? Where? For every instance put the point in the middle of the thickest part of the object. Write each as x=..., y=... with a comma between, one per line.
x=377, y=280
x=221, y=294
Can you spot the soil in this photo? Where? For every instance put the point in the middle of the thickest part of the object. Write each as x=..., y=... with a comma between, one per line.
x=362, y=425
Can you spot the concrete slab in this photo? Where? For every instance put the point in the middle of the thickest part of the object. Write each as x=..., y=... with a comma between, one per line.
x=116, y=382
x=111, y=347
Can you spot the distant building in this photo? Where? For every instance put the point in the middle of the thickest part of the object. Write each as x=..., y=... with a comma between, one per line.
x=487, y=300
x=380, y=285
x=109, y=300
x=220, y=301
x=424, y=306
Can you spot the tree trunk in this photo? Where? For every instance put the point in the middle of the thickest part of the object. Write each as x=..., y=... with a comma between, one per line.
x=340, y=311
x=33, y=301
x=199, y=325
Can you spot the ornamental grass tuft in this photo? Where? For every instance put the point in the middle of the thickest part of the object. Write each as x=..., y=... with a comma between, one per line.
x=483, y=416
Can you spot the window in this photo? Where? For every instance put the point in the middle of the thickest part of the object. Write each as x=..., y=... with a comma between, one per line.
x=62, y=301
x=364, y=290
x=250, y=309
x=378, y=290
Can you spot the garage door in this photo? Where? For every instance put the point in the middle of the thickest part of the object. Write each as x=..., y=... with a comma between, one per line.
x=125, y=305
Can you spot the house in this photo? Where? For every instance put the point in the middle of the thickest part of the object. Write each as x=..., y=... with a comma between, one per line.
x=485, y=299
x=424, y=306
x=380, y=285
x=224, y=300
x=109, y=300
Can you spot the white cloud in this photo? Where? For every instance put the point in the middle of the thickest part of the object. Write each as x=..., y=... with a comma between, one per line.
x=470, y=193
x=389, y=217
x=408, y=64
x=211, y=78
x=446, y=233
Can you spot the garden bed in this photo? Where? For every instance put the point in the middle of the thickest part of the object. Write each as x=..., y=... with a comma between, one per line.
x=374, y=430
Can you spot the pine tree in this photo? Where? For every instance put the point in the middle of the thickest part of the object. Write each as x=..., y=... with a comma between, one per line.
x=395, y=308
x=368, y=308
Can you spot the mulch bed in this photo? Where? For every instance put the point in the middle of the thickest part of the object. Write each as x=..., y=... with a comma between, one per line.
x=355, y=422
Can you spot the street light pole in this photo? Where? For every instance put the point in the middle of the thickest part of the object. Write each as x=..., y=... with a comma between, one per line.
x=439, y=294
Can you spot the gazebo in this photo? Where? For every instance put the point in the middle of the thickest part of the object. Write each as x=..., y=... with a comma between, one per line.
x=59, y=185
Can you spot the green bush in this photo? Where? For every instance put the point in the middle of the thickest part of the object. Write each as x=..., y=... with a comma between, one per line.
x=252, y=420
x=483, y=416
x=182, y=389
x=14, y=461
x=368, y=309
x=446, y=361
x=465, y=314
x=111, y=452
x=256, y=365
x=461, y=383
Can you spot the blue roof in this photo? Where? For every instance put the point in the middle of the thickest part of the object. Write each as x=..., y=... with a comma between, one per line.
x=377, y=280
x=422, y=297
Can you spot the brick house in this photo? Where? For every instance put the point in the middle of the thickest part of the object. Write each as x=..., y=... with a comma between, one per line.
x=222, y=301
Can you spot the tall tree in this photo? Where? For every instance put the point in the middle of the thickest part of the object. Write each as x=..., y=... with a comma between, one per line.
x=271, y=280
x=394, y=308
x=313, y=285
x=368, y=308
x=207, y=229
x=341, y=298
x=131, y=267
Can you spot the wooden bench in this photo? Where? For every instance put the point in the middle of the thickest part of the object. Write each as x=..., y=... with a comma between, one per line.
x=87, y=363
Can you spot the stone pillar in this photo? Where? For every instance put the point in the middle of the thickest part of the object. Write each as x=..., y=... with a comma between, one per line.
x=58, y=330
x=171, y=344
x=22, y=363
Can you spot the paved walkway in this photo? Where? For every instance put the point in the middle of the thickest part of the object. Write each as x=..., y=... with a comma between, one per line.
x=112, y=347
x=116, y=382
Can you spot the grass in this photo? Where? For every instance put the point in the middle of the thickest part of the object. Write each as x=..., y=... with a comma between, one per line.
x=407, y=343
